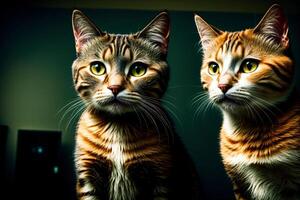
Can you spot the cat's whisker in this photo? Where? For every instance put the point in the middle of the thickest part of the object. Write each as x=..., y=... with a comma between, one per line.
x=209, y=106
x=68, y=104
x=268, y=105
x=252, y=108
x=159, y=114
x=183, y=86
x=256, y=97
x=141, y=117
x=157, y=102
x=196, y=101
x=166, y=96
x=201, y=93
x=167, y=104
x=264, y=110
x=149, y=116
x=74, y=115
x=255, y=106
x=260, y=111
x=264, y=106
x=72, y=107
x=202, y=105
x=162, y=116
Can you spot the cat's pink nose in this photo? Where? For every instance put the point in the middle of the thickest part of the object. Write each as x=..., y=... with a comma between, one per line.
x=115, y=89
x=224, y=87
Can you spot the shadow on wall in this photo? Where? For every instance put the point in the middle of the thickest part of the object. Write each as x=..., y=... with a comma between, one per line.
x=35, y=83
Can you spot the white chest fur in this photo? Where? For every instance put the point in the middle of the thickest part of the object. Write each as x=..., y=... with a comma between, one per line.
x=270, y=178
x=275, y=177
x=121, y=187
x=271, y=182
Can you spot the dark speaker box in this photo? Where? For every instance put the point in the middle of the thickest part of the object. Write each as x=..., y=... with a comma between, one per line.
x=37, y=164
x=3, y=139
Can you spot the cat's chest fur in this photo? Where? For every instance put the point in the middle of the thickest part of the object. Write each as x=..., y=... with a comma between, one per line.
x=270, y=182
x=109, y=145
x=120, y=182
x=121, y=149
x=266, y=173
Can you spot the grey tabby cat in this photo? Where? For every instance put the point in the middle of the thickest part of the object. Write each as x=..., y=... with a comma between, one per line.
x=126, y=147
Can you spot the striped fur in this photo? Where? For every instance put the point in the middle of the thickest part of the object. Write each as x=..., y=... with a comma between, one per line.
x=126, y=147
x=260, y=135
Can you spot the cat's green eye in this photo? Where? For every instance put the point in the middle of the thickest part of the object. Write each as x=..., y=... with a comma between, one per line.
x=249, y=65
x=213, y=68
x=138, y=69
x=97, y=68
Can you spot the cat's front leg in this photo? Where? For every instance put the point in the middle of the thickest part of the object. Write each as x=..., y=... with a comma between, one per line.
x=239, y=189
x=160, y=193
x=237, y=193
x=92, y=181
x=86, y=190
x=238, y=184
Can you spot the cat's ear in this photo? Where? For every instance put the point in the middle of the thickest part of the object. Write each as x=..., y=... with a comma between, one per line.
x=157, y=31
x=273, y=26
x=206, y=32
x=83, y=29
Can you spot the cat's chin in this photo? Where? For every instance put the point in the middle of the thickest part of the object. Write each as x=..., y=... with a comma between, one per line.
x=231, y=107
x=113, y=109
x=118, y=109
x=229, y=104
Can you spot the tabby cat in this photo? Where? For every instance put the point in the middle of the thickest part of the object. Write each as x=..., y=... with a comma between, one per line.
x=249, y=76
x=126, y=147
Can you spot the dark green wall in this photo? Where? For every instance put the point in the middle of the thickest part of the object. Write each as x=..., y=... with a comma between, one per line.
x=37, y=50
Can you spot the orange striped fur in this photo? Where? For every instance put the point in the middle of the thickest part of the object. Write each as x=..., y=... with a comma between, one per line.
x=126, y=146
x=249, y=76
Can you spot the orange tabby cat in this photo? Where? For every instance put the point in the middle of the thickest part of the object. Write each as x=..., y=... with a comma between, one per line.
x=248, y=75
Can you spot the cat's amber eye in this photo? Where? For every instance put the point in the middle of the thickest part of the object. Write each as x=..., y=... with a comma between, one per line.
x=249, y=65
x=213, y=68
x=97, y=68
x=138, y=69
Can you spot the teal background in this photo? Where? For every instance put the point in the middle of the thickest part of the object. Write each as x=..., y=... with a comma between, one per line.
x=37, y=50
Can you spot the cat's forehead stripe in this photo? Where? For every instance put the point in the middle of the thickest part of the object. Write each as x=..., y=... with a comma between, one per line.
x=117, y=43
x=231, y=41
x=218, y=55
x=238, y=48
x=127, y=52
x=232, y=44
x=107, y=53
x=118, y=47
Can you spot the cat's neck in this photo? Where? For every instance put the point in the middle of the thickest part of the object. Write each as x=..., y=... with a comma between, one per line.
x=263, y=120
x=129, y=125
x=104, y=119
